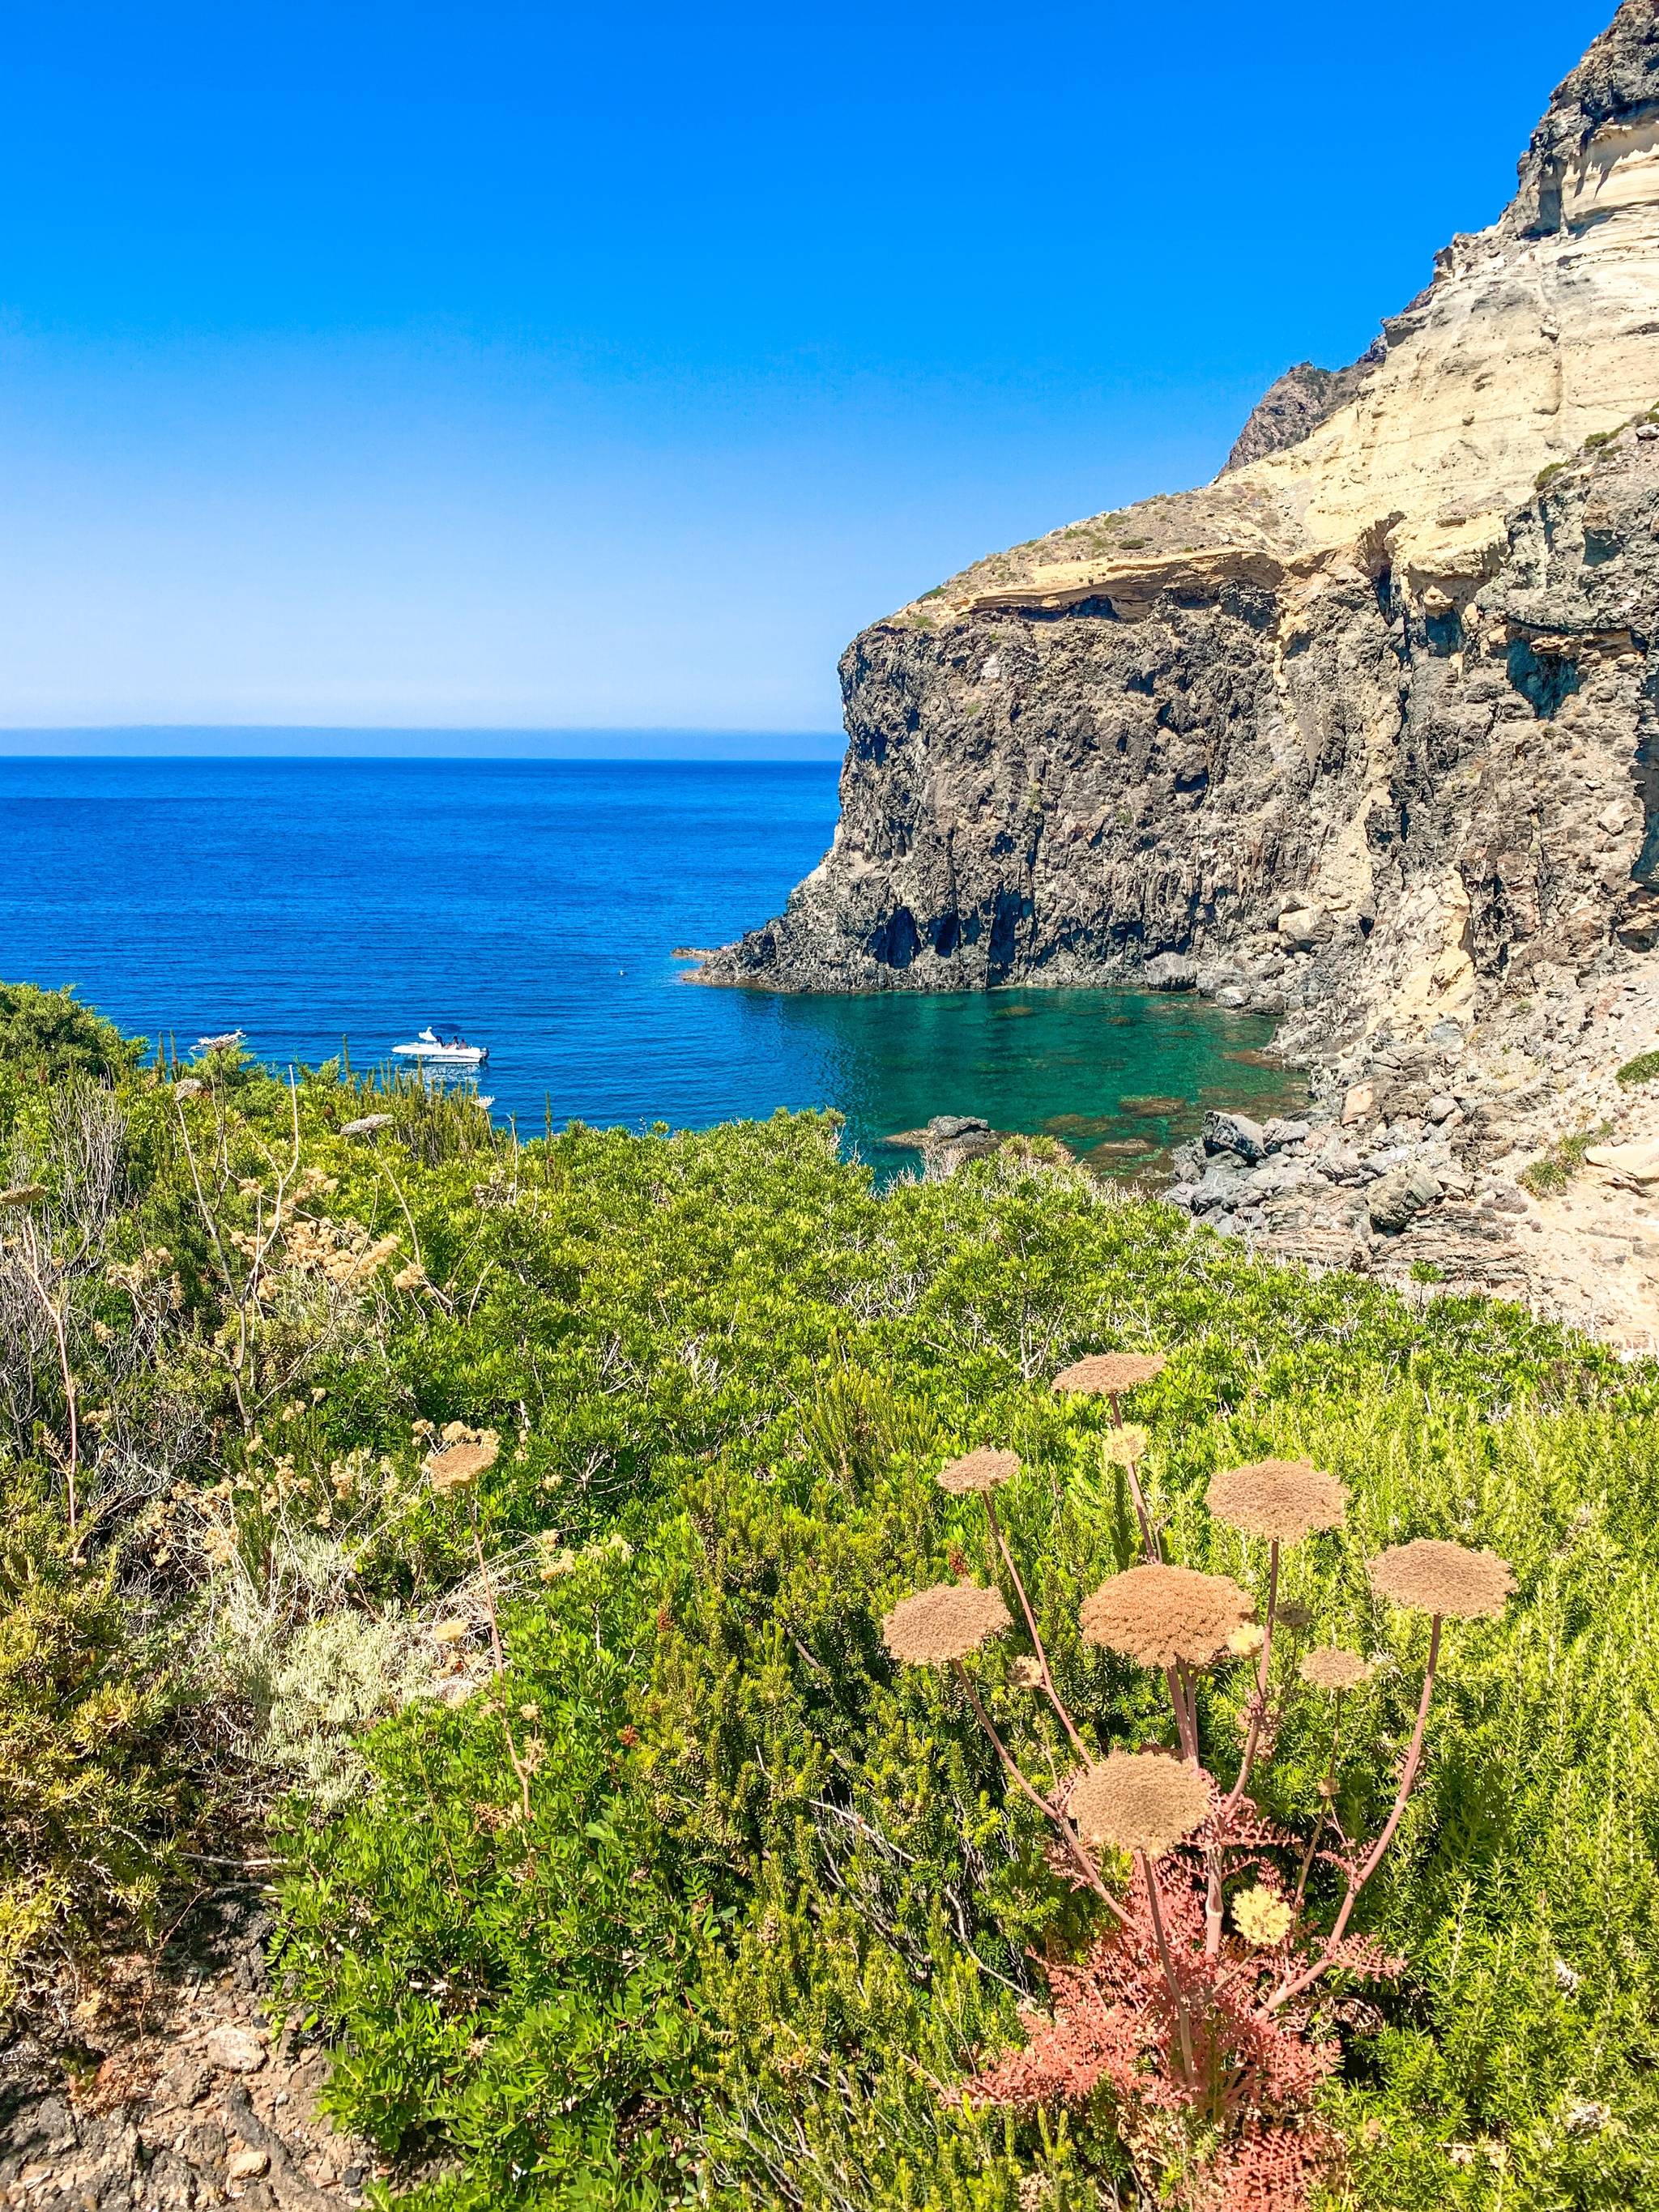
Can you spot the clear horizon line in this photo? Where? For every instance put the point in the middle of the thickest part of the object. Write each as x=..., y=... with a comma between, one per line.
x=404, y=741
x=436, y=729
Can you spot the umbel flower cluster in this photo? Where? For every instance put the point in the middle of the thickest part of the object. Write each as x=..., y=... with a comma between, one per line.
x=1199, y=2008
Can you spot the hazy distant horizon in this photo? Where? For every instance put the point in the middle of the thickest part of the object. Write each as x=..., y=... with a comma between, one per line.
x=308, y=741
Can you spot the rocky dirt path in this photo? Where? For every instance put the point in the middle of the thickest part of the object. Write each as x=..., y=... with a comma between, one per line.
x=165, y=2089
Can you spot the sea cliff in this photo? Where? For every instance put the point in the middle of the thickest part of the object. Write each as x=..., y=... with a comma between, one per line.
x=1358, y=734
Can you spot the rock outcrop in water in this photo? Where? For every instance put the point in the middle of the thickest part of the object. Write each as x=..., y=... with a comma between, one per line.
x=1360, y=732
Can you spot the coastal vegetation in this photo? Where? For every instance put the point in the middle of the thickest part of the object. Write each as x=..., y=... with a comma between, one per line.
x=517, y=1546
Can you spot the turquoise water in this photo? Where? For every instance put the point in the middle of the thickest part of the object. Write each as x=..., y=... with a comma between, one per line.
x=535, y=905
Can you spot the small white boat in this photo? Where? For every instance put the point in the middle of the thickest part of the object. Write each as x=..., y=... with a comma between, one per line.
x=452, y=1051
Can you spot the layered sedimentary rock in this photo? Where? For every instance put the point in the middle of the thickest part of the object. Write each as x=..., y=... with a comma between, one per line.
x=1359, y=731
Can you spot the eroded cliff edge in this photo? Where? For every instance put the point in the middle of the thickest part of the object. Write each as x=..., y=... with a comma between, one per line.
x=1360, y=731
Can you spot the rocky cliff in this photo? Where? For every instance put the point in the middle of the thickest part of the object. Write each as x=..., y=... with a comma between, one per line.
x=1359, y=732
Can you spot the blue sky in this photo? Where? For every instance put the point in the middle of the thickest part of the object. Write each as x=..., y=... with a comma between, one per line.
x=541, y=366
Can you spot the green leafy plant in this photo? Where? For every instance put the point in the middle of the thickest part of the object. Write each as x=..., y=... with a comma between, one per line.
x=1209, y=2045
x=759, y=1906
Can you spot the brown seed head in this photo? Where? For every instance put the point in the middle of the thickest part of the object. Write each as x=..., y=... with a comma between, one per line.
x=1108, y=1374
x=1442, y=1578
x=1330, y=1667
x=979, y=1470
x=460, y=1465
x=1282, y=1498
x=1139, y=1801
x=1158, y=1614
x=946, y=1622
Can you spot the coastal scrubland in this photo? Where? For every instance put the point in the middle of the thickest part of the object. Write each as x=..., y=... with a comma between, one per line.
x=502, y=1543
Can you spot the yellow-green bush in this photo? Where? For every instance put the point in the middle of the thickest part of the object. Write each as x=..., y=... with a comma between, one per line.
x=93, y=1791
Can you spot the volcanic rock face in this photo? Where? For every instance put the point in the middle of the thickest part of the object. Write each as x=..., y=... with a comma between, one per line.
x=1358, y=731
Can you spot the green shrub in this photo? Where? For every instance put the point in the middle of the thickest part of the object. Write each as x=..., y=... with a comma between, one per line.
x=94, y=1789
x=773, y=1905
x=48, y=1034
x=1644, y=1068
x=1554, y=1170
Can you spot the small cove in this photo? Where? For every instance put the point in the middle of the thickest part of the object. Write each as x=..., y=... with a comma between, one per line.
x=535, y=904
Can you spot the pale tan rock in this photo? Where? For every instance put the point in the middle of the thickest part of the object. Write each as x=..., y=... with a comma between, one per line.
x=1638, y=1162
x=237, y=2049
x=1357, y=1105
x=246, y=2164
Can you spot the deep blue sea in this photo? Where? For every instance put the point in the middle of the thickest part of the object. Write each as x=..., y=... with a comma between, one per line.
x=535, y=904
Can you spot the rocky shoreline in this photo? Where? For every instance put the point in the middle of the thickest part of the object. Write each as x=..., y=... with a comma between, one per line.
x=1503, y=1157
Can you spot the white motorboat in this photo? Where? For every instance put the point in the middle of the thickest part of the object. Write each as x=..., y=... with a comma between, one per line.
x=452, y=1051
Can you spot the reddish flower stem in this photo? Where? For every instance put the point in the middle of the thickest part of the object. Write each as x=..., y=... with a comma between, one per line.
x=1189, y=2072
x=1049, y=1811
x=1358, y=1880
x=1186, y=1709
x=1325, y=1796
x=1053, y=1694
x=1259, y=1703
x=1148, y=1535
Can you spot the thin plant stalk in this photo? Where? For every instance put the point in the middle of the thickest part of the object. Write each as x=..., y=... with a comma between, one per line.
x=1186, y=1709
x=1327, y=1791
x=1259, y=1703
x=1049, y=1811
x=1017, y=1580
x=519, y=1767
x=1148, y=1533
x=31, y=1268
x=1362, y=1874
x=1184, y=2025
x=212, y=1227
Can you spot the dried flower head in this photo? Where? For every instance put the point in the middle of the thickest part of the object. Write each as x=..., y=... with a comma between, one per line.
x=1123, y=1447
x=1244, y=1642
x=24, y=1194
x=1158, y=1614
x=946, y=1622
x=459, y=1466
x=1108, y=1374
x=1025, y=1674
x=1442, y=1578
x=452, y=1631
x=1330, y=1667
x=1285, y=1499
x=979, y=1470
x=1139, y=1801
x=1260, y=1917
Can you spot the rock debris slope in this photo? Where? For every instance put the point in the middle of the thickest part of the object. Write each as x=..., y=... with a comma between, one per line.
x=1355, y=733
x=1361, y=734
